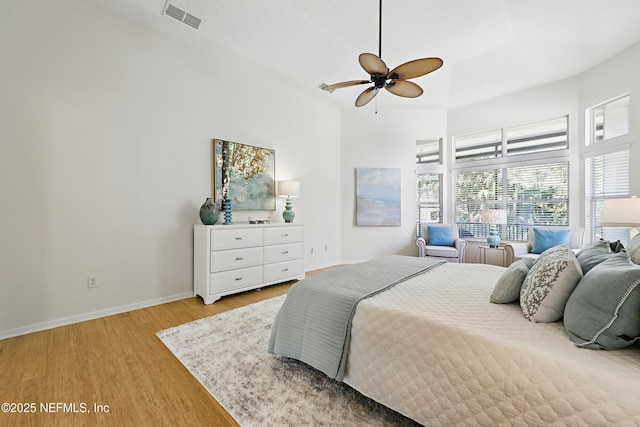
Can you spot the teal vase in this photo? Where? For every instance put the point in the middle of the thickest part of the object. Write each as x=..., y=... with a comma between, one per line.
x=226, y=206
x=209, y=212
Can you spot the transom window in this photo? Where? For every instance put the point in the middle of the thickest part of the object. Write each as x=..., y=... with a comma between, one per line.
x=478, y=146
x=537, y=137
x=429, y=151
x=609, y=119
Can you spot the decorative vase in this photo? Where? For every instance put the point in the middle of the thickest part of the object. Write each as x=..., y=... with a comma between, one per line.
x=209, y=212
x=226, y=206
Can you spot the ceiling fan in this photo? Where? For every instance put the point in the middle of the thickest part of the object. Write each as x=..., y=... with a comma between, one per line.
x=395, y=81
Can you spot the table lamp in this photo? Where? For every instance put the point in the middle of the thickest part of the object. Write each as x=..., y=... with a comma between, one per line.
x=288, y=189
x=494, y=217
x=624, y=212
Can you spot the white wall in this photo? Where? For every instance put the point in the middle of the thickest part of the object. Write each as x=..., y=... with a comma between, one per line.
x=383, y=140
x=106, y=157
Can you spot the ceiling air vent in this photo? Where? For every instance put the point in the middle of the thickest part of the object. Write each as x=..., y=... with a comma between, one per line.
x=186, y=18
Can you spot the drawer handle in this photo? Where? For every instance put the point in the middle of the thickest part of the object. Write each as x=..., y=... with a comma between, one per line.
x=285, y=269
x=239, y=238
x=284, y=253
x=239, y=258
x=284, y=235
x=238, y=278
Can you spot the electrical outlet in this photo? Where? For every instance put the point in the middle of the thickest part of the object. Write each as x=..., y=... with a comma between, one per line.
x=92, y=282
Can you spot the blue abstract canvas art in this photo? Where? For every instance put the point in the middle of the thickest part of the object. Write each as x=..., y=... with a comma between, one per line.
x=378, y=196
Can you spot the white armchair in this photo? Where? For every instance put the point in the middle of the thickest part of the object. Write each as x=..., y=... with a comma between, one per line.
x=518, y=250
x=453, y=253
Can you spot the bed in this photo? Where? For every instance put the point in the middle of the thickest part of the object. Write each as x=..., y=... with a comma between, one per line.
x=432, y=347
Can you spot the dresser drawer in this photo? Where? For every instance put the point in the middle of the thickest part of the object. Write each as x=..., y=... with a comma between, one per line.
x=235, y=238
x=235, y=258
x=277, y=253
x=234, y=279
x=278, y=235
x=281, y=270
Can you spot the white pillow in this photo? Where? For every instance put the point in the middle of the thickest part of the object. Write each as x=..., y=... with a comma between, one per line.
x=549, y=284
x=633, y=248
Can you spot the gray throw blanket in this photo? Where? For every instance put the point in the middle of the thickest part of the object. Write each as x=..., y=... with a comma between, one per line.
x=314, y=323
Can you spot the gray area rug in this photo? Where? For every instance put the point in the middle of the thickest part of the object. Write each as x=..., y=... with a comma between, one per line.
x=227, y=353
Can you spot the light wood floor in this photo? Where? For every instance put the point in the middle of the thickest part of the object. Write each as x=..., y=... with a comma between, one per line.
x=117, y=362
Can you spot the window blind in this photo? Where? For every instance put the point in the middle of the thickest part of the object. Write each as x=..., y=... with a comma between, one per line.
x=429, y=194
x=606, y=176
x=532, y=195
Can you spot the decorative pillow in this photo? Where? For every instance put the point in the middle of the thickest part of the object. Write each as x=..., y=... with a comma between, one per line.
x=549, y=284
x=507, y=289
x=546, y=239
x=616, y=246
x=633, y=247
x=593, y=254
x=604, y=310
x=440, y=235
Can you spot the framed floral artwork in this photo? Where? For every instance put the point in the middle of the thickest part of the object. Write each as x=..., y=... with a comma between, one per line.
x=245, y=174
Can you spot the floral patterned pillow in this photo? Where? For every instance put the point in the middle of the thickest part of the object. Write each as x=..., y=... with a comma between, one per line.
x=549, y=284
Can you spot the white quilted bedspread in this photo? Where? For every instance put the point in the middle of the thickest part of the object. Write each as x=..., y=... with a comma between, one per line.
x=436, y=350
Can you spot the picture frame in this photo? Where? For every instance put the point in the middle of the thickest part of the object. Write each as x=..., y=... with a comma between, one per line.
x=245, y=174
x=378, y=197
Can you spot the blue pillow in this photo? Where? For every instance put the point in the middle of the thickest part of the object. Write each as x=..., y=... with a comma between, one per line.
x=546, y=239
x=441, y=235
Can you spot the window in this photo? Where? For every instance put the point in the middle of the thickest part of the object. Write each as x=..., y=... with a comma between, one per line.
x=429, y=197
x=477, y=146
x=537, y=137
x=609, y=119
x=533, y=195
x=606, y=176
x=429, y=152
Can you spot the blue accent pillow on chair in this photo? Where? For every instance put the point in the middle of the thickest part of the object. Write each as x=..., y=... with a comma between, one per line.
x=546, y=239
x=440, y=235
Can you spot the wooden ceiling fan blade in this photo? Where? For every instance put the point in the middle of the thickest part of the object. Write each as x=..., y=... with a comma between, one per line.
x=344, y=84
x=372, y=64
x=404, y=88
x=367, y=95
x=415, y=68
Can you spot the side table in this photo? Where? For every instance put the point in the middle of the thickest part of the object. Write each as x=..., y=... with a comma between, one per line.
x=485, y=248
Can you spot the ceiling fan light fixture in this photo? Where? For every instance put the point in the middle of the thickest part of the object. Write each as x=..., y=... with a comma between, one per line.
x=394, y=81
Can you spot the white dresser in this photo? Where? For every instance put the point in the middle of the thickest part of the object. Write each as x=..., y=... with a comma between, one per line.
x=233, y=258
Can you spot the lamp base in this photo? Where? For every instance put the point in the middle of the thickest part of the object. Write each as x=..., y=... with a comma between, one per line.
x=288, y=215
x=494, y=238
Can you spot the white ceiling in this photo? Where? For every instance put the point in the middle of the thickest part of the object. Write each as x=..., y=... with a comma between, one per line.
x=489, y=47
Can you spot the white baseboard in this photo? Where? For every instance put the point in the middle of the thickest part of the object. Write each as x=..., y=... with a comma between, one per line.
x=50, y=324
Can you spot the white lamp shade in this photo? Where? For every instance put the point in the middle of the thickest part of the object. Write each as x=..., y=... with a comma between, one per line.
x=288, y=189
x=620, y=212
x=494, y=216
